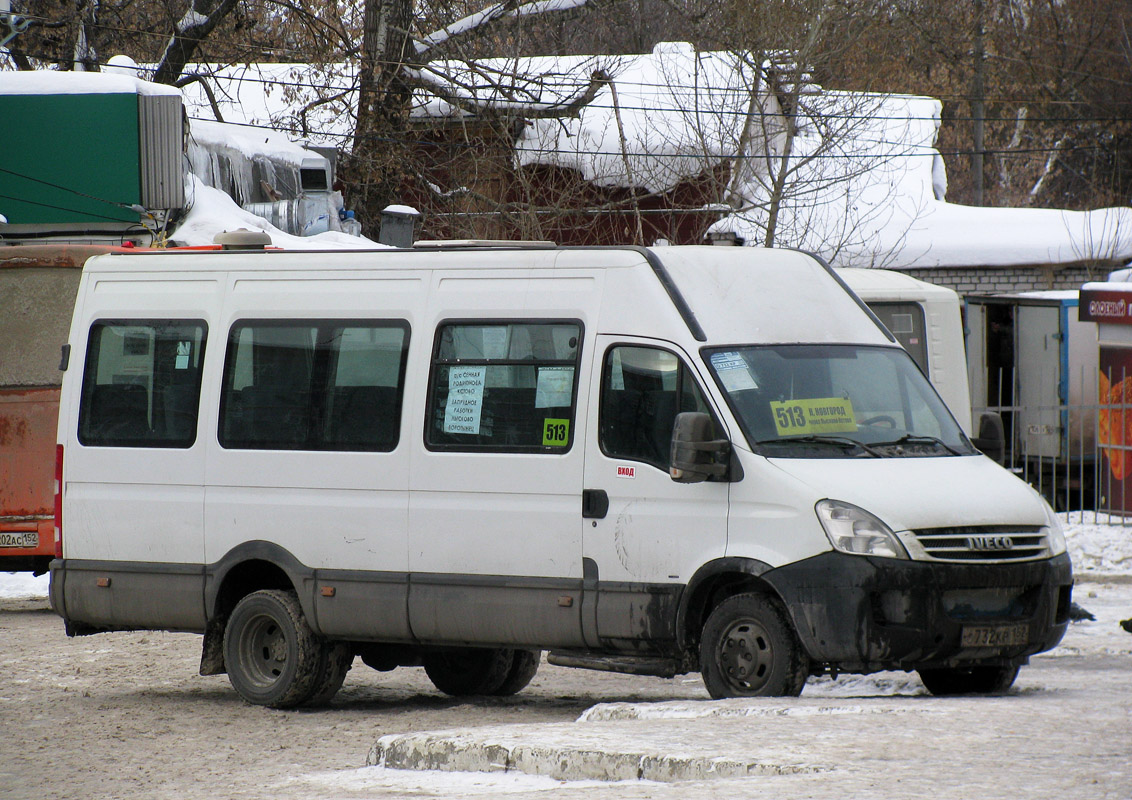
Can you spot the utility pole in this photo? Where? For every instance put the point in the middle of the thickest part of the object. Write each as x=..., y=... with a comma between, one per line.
x=978, y=113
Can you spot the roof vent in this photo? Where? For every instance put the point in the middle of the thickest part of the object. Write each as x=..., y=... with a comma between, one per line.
x=242, y=239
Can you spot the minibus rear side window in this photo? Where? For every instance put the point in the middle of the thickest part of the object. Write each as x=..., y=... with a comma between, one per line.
x=504, y=386
x=141, y=383
x=313, y=385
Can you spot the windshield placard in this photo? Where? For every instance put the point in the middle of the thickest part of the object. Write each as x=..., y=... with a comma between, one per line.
x=814, y=416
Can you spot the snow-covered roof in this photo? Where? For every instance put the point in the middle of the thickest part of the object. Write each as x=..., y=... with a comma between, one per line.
x=249, y=140
x=869, y=185
x=42, y=82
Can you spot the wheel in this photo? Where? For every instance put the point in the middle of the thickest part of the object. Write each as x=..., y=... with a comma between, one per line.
x=271, y=654
x=334, y=662
x=748, y=649
x=968, y=680
x=883, y=418
x=524, y=665
x=462, y=671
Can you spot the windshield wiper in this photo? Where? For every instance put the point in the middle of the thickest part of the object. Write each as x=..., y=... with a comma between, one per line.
x=839, y=441
x=915, y=438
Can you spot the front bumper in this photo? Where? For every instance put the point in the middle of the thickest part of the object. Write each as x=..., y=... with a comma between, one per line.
x=861, y=614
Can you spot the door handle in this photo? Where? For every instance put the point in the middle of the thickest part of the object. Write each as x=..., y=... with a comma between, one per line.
x=595, y=503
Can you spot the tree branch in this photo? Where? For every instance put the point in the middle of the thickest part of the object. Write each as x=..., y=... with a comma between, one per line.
x=198, y=22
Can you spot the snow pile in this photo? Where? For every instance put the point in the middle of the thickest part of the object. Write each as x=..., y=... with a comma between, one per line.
x=212, y=212
x=1098, y=544
x=22, y=585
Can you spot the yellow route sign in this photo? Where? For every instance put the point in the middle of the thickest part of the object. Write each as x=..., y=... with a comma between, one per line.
x=815, y=416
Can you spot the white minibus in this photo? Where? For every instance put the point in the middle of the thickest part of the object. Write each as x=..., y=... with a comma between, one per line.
x=646, y=460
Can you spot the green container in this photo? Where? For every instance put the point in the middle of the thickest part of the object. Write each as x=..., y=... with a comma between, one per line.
x=69, y=158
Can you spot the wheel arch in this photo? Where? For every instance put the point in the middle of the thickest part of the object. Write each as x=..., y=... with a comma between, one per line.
x=250, y=567
x=711, y=584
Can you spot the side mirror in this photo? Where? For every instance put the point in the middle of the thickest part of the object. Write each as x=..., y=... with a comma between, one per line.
x=992, y=437
x=695, y=455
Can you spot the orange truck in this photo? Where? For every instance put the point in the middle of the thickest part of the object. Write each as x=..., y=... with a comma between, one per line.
x=38, y=284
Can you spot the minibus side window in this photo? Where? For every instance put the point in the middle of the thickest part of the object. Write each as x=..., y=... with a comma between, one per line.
x=313, y=385
x=642, y=391
x=141, y=383
x=504, y=386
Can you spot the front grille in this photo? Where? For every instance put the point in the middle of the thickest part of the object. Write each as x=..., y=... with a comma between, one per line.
x=984, y=543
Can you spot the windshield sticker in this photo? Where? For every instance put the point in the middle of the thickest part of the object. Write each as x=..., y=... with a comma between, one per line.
x=555, y=387
x=555, y=432
x=816, y=416
x=465, y=399
x=733, y=372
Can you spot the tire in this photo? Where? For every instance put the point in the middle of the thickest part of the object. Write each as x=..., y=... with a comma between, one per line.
x=463, y=671
x=524, y=665
x=968, y=680
x=271, y=654
x=334, y=662
x=748, y=649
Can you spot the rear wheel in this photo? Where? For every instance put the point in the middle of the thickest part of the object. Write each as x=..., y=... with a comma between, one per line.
x=524, y=665
x=462, y=671
x=748, y=649
x=334, y=663
x=968, y=680
x=270, y=652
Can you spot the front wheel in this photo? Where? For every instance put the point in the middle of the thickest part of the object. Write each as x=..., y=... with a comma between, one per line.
x=968, y=680
x=748, y=649
x=272, y=656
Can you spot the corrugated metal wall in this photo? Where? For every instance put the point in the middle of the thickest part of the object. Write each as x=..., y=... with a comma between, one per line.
x=160, y=133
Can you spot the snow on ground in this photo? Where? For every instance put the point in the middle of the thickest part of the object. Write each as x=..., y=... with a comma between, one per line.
x=22, y=584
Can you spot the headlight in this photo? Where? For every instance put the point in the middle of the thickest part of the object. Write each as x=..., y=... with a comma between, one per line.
x=854, y=530
x=1055, y=534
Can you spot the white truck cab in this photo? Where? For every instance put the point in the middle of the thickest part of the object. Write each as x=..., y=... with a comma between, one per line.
x=653, y=461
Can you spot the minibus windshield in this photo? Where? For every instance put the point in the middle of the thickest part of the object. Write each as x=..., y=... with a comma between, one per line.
x=835, y=401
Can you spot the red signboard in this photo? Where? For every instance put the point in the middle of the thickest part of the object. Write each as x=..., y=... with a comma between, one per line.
x=1113, y=306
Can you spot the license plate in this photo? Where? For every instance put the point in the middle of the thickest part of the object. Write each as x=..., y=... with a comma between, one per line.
x=28, y=539
x=995, y=636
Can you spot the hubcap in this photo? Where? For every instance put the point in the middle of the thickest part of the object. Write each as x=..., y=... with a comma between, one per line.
x=745, y=656
x=265, y=651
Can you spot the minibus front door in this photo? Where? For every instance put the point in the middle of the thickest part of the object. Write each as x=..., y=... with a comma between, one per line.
x=643, y=534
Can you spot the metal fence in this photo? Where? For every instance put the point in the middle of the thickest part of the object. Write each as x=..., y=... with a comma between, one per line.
x=1077, y=455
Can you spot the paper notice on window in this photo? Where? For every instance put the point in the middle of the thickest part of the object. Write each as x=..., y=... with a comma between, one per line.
x=617, y=374
x=465, y=399
x=184, y=350
x=495, y=343
x=555, y=387
x=733, y=372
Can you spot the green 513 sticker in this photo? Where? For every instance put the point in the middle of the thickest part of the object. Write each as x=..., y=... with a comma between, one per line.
x=555, y=432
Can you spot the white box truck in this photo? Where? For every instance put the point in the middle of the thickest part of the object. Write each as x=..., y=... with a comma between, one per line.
x=652, y=461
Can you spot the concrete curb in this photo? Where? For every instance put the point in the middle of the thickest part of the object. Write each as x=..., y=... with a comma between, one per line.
x=457, y=753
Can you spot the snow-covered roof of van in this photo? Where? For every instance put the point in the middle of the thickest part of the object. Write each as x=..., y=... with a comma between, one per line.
x=889, y=282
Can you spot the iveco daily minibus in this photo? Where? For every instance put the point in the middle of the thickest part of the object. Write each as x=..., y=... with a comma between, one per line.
x=653, y=461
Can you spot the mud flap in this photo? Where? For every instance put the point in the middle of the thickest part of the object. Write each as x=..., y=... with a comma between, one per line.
x=212, y=652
